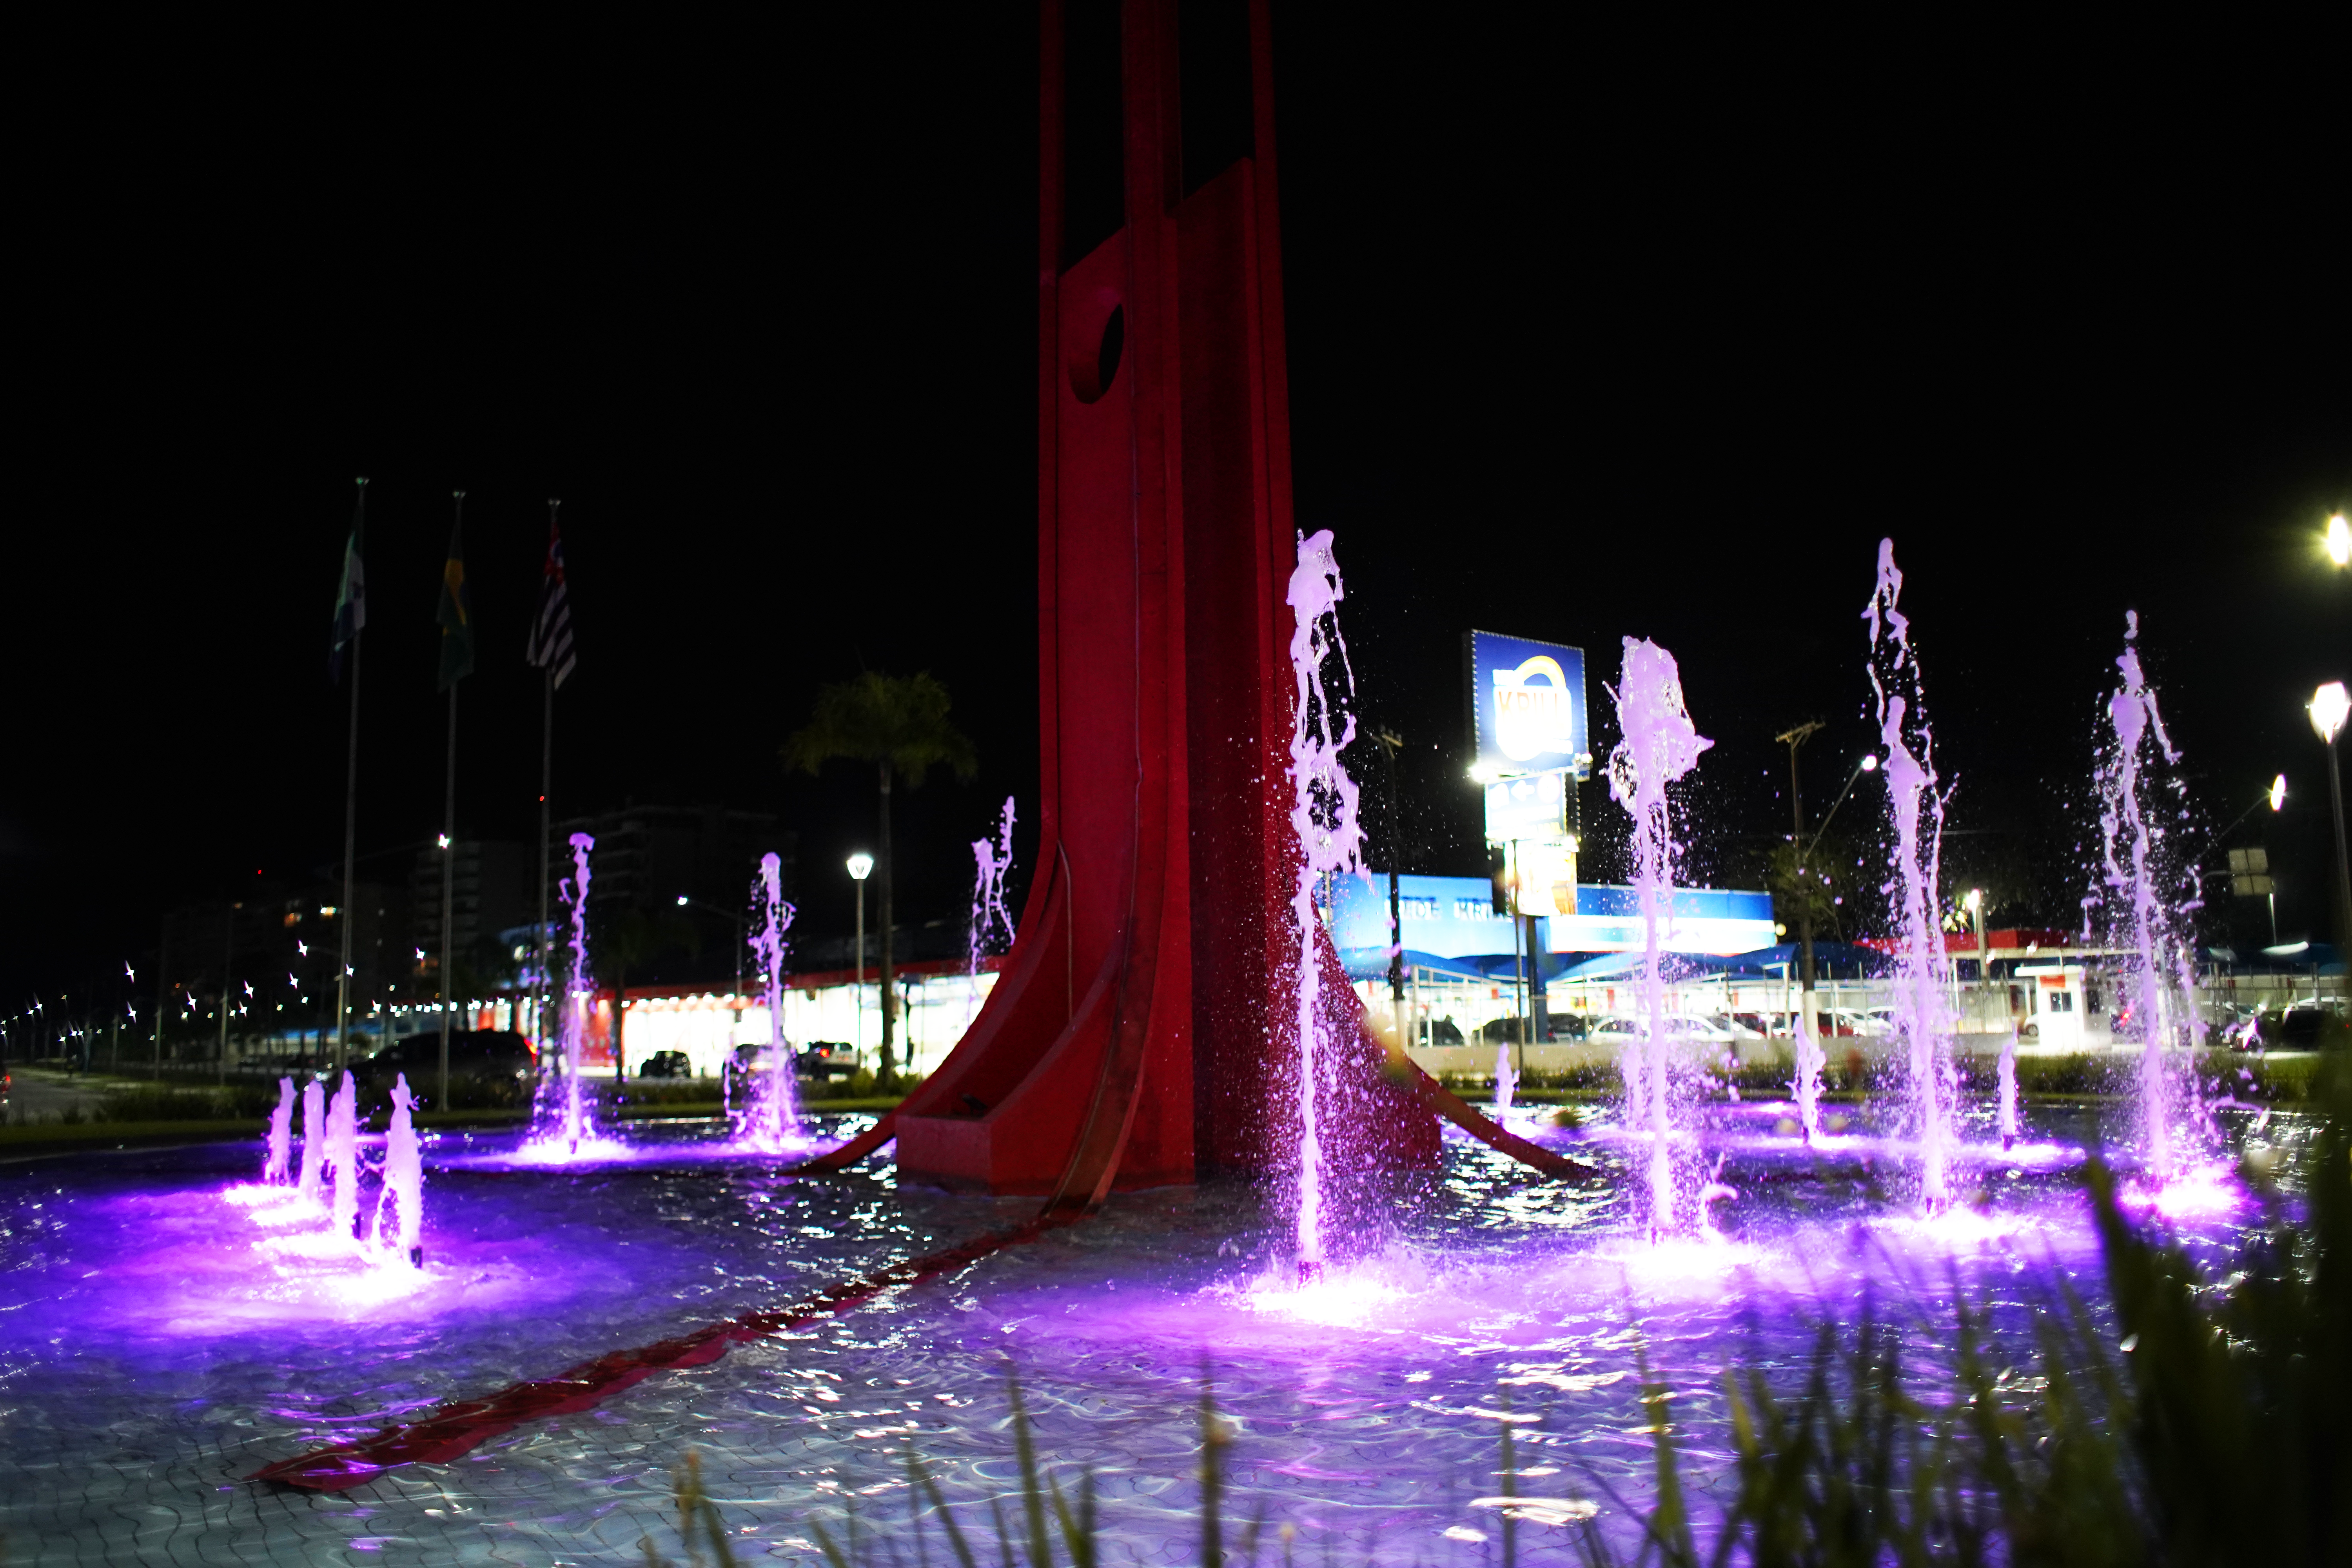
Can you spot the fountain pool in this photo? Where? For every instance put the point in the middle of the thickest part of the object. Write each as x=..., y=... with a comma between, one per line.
x=155, y=1359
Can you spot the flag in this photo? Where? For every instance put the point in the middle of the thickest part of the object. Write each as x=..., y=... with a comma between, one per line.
x=350, y=599
x=551, y=629
x=455, y=612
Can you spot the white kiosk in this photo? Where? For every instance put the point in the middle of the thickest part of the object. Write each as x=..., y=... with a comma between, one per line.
x=2054, y=1002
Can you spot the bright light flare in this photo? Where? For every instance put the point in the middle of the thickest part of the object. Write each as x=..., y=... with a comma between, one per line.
x=2339, y=541
x=2328, y=706
x=861, y=866
x=2207, y=1190
x=2278, y=791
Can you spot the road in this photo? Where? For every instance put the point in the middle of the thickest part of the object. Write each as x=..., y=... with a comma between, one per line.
x=41, y=1095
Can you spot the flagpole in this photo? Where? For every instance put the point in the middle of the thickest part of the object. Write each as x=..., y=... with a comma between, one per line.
x=351, y=839
x=546, y=775
x=449, y=861
x=546, y=790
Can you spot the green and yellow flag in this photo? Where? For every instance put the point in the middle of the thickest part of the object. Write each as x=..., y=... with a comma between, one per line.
x=455, y=613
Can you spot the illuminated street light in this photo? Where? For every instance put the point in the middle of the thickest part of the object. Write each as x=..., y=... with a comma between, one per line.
x=2328, y=706
x=2278, y=791
x=2339, y=541
x=861, y=866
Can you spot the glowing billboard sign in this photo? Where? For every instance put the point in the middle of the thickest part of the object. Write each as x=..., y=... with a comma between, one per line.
x=1527, y=704
x=1534, y=805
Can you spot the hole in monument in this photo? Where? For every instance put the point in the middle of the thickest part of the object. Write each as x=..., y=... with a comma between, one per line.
x=1092, y=374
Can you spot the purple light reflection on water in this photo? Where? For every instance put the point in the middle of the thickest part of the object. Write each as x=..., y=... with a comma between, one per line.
x=137, y=1329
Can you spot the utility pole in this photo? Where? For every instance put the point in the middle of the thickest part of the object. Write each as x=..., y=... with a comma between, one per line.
x=1793, y=739
x=351, y=787
x=163, y=991
x=1391, y=743
x=229, y=962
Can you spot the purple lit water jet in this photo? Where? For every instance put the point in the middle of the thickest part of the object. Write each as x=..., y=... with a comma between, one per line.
x=1330, y=842
x=770, y=1120
x=1506, y=1083
x=1660, y=745
x=2008, y=1088
x=1807, y=1085
x=399, y=1207
x=2131, y=863
x=1924, y=1020
x=281, y=1136
x=314, y=1140
x=991, y=926
x=564, y=1124
x=343, y=1157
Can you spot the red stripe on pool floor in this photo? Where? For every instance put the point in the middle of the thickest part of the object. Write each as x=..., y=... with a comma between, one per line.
x=457, y=1427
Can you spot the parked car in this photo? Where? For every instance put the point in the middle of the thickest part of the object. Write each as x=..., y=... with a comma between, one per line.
x=666, y=1064
x=826, y=1059
x=1562, y=1027
x=1681, y=1028
x=2298, y=1027
x=1443, y=1031
x=486, y=1067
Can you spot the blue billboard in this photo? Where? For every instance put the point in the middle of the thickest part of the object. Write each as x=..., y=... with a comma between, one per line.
x=1527, y=704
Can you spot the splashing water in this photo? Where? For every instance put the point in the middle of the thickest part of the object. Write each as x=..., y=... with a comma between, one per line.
x=564, y=1119
x=990, y=918
x=1923, y=1015
x=343, y=1156
x=990, y=863
x=2008, y=1088
x=403, y=1196
x=281, y=1135
x=2161, y=981
x=772, y=1118
x=1660, y=745
x=1807, y=1084
x=1330, y=841
x=1506, y=1083
x=314, y=1140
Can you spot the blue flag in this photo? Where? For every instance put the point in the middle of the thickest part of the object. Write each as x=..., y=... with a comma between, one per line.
x=350, y=599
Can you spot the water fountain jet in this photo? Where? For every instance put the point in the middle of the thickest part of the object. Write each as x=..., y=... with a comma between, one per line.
x=770, y=1120
x=1660, y=745
x=2131, y=866
x=1923, y=1019
x=1323, y=814
x=273, y=1168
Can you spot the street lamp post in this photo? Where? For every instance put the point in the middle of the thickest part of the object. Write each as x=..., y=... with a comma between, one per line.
x=1984, y=954
x=1793, y=739
x=2328, y=708
x=861, y=866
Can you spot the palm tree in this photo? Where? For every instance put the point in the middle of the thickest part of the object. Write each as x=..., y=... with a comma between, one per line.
x=898, y=724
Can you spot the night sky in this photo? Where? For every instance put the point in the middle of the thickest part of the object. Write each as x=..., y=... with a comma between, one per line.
x=1582, y=343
